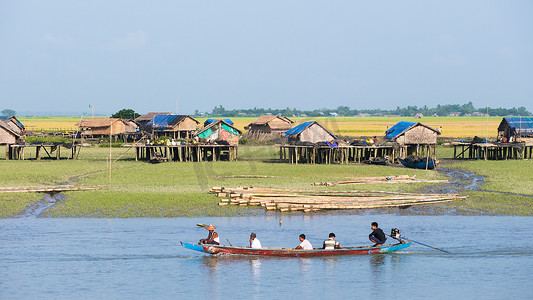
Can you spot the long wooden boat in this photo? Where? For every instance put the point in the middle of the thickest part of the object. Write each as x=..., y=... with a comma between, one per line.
x=419, y=165
x=291, y=252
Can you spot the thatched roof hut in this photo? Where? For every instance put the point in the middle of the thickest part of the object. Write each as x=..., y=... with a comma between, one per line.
x=219, y=132
x=11, y=130
x=266, y=127
x=177, y=126
x=413, y=138
x=311, y=132
x=103, y=126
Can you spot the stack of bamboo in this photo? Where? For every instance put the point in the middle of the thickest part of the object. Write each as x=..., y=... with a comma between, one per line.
x=383, y=179
x=310, y=201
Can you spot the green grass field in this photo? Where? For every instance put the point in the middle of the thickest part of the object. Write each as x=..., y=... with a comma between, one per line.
x=140, y=189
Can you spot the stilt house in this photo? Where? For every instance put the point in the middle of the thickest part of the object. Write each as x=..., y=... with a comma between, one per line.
x=311, y=132
x=11, y=130
x=144, y=119
x=103, y=127
x=513, y=128
x=219, y=132
x=413, y=138
x=268, y=127
x=175, y=126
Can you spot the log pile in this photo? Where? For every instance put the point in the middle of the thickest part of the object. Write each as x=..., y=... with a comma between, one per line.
x=383, y=179
x=310, y=201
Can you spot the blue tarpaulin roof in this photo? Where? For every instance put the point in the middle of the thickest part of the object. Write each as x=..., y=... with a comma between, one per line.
x=298, y=128
x=523, y=124
x=9, y=117
x=209, y=121
x=397, y=129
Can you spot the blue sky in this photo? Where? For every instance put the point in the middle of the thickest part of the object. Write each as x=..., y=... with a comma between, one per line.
x=61, y=56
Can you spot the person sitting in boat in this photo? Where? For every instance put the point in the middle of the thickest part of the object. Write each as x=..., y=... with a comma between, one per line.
x=305, y=244
x=254, y=241
x=331, y=243
x=377, y=236
x=212, y=238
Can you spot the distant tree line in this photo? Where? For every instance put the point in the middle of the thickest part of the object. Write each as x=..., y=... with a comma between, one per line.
x=345, y=111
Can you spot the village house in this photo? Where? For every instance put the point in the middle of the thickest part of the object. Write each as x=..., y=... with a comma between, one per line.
x=104, y=127
x=515, y=129
x=413, y=138
x=175, y=126
x=311, y=132
x=268, y=127
x=11, y=130
x=219, y=132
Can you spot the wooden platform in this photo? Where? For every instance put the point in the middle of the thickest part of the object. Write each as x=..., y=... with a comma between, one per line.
x=17, y=152
x=313, y=154
x=313, y=200
x=492, y=151
x=182, y=153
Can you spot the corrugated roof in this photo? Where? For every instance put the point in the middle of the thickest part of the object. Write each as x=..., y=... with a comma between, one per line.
x=520, y=123
x=398, y=129
x=299, y=128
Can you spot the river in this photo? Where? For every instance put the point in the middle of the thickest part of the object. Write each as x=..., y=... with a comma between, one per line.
x=141, y=258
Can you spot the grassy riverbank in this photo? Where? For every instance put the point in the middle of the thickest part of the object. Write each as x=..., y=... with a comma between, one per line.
x=140, y=189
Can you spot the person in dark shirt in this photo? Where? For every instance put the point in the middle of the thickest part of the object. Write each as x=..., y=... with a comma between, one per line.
x=377, y=236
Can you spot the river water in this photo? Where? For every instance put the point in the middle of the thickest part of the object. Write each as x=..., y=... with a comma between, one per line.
x=141, y=258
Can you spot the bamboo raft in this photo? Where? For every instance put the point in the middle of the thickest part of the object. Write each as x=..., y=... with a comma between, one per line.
x=385, y=179
x=312, y=201
x=49, y=189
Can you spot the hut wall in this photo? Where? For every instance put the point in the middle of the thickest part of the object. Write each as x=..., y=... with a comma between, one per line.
x=314, y=134
x=7, y=137
x=187, y=124
x=259, y=129
x=419, y=135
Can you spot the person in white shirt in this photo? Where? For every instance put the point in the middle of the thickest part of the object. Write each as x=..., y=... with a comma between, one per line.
x=254, y=241
x=305, y=244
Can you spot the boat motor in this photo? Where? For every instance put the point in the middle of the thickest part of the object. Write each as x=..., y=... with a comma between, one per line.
x=395, y=233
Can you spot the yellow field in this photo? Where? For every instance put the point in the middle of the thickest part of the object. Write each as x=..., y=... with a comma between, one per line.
x=349, y=126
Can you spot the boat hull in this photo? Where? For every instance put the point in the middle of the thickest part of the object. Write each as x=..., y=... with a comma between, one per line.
x=290, y=252
x=418, y=165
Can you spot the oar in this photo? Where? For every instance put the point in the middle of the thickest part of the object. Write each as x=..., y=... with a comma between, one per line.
x=229, y=243
x=202, y=225
x=426, y=245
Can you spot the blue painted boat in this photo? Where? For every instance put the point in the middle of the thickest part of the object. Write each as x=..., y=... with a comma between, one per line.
x=291, y=252
x=424, y=164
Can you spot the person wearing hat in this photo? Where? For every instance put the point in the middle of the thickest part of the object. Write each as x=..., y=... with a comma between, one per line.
x=212, y=238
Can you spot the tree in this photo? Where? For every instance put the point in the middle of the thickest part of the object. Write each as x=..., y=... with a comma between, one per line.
x=125, y=113
x=8, y=112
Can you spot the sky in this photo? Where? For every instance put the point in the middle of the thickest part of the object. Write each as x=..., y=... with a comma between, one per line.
x=58, y=57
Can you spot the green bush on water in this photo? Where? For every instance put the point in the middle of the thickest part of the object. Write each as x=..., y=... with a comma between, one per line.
x=141, y=189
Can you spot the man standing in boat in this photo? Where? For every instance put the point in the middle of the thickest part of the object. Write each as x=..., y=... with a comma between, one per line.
x=254, y=241
x=331, y=243
x=305, y=244
x=377, y=236
x=212, y=238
